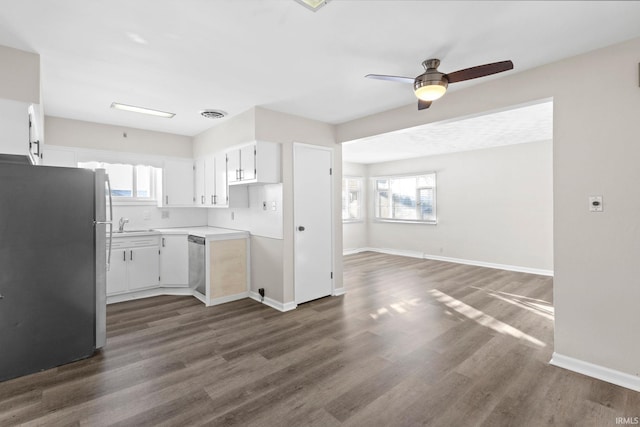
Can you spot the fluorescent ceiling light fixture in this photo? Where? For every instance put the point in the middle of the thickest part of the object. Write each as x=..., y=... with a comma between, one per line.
x=142, y=110
x=313, y=4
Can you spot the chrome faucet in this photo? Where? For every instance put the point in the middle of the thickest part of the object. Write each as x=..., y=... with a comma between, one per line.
x=121, y=223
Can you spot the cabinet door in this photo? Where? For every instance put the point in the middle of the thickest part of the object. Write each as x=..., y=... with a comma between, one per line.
x=174, y=260
x=143, y=268
x=177, y=183
x=221, y=190
x=248, y=163
x=233, y=166
x=200, y=173
x=117, y=274
x=209, y=181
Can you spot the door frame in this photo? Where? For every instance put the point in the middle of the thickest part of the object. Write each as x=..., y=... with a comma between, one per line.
x=331, y=208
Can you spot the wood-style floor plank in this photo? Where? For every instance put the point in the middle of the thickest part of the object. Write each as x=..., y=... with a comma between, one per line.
x=413, y=342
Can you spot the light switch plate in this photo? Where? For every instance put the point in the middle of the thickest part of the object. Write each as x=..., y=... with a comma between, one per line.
x=595, y=204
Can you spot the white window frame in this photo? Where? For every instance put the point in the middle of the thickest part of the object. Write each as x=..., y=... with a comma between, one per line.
x=360, y=192
x=134, y=200
x=376, y=209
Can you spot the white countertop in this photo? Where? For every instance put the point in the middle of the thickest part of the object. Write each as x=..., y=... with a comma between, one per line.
x=211, y=233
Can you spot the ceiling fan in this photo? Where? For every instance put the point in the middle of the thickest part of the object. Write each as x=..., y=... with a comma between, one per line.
x=432, y=84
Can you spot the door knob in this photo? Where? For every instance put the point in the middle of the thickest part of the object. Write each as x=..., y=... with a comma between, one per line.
x=301, y=228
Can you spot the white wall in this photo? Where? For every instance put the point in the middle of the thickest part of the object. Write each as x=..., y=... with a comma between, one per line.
x=595, y=152
x=494, y=206
x=355, y=235
x=144, y=217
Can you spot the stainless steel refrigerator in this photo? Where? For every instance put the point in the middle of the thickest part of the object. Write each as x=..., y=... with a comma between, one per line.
x=53, y=261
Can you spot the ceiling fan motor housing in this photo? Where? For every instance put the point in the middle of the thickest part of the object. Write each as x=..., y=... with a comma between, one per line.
x=425, y=85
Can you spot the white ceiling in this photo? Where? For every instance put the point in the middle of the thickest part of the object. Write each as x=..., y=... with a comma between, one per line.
x=520, y=125
x=184, y=56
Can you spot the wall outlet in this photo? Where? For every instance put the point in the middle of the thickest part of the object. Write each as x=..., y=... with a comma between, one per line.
x=146, y=215
x=273, y=206
x=264, y=206
x=233, y=215
x=164, y=214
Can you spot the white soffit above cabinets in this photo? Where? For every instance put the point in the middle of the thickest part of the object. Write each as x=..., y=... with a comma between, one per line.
x=516, y=126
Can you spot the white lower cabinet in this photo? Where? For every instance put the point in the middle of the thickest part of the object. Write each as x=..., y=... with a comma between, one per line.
x=174, y=260
x=135, y=264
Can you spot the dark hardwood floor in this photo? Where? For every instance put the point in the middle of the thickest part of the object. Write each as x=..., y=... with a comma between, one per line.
x=413, y=342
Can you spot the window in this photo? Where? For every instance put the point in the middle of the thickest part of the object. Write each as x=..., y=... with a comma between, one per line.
x=351, y=199
x=128, y=182
x=406, y=198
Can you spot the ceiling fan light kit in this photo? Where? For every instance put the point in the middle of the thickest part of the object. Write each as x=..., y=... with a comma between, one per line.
x=432, y=84
x=313, y=4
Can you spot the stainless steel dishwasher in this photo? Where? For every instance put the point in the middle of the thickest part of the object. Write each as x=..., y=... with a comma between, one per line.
x=196, y=263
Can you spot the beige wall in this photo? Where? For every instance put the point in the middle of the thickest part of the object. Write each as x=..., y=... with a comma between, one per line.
x=355, y=235
x=287, y=129
x=595, y=152
x=266, y=125
x=231, y=131
x=19, y=75
x=96, y=136
x=494, y=206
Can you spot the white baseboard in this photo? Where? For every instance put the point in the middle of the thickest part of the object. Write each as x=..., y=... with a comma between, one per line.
x=596, y=371
x=353, y=251
x=148, y=293
x=421, y=255
x=179, y=291
x=273, y=303
x=339, y=291
x=229, y=298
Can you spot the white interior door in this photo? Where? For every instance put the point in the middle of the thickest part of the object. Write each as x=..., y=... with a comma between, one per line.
x=312, y=192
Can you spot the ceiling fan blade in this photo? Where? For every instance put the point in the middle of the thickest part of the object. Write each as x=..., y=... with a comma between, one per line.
x=479, y=71
x=423, y=104
x=398, y=79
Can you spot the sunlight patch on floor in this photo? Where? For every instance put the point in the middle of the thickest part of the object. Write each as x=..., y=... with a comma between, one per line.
x=482, y=318
x=537, y=306
x=401, y=307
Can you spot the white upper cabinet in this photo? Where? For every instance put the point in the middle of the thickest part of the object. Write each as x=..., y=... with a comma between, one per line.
x=221, y=195
x=256, y=163
x=211, y=181
x=177, y=183
x=199, y=171
x=14, y=126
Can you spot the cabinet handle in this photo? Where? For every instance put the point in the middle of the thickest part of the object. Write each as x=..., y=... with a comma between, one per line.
x=131, y=255
x=166, y=198
x=213, y=200
x=237, y=174
x=241, y=174
x=202, y=200
x=163, y=242
x=124, y=256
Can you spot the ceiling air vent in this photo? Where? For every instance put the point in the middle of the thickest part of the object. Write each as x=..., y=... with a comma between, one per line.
x=213, y=114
